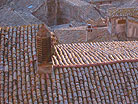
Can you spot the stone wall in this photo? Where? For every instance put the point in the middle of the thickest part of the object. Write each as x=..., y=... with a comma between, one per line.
x=117, y=30
x=115, y=26
x=120, y=28
x=132, y=29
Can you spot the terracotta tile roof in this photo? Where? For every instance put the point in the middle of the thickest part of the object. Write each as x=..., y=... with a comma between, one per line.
x=126, y=11
x=16, y=18
x=90, y=53
x=110, y=83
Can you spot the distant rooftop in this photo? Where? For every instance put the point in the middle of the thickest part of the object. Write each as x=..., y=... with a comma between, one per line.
x=131, y=3
x=11, y=17
x=26, y=5
x=133, y=18
x=126, y=11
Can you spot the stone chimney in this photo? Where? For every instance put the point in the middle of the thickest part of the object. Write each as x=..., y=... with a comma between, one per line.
x=43, y=44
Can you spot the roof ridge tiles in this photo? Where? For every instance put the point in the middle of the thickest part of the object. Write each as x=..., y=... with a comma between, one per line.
x=95, y=64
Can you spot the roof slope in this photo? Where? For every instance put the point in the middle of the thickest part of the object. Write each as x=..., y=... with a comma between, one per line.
x=90, y=53
x=126, y=11
x=26, y=5
x=131, y=3
x=110, y=83
x=14, y=18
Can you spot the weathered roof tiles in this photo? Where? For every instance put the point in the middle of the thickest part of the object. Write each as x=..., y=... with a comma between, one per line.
x=101, y=84
x=90, y=53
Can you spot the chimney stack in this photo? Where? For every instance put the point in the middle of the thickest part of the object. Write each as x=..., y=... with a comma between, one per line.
x=43, y=44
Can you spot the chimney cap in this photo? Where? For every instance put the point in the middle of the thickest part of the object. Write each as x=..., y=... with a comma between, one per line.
x=44, y=31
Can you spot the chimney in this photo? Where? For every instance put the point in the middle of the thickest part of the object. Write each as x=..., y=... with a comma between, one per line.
x=43, y=44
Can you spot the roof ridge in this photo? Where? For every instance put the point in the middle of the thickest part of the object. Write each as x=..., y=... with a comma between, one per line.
x=95, y=64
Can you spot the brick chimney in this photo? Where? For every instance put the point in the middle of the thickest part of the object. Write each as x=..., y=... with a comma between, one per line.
x=43, y=44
